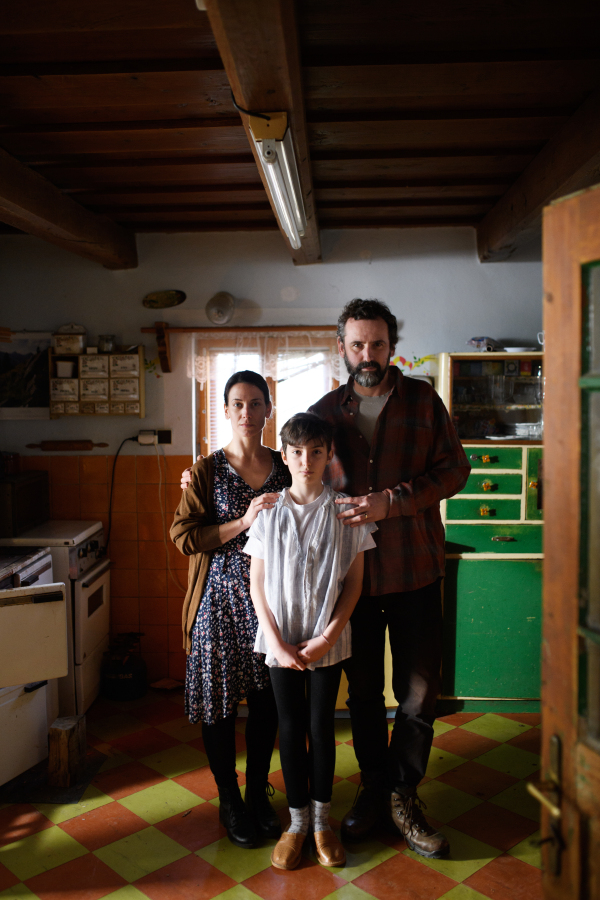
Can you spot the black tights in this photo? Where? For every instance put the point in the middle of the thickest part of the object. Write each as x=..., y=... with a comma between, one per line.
x=261, y=729
x=306, y=706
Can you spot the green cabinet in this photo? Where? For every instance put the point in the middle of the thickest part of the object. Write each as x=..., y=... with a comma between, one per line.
x=492, y=628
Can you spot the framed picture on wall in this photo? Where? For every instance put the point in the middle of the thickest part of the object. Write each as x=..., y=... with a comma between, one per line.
x=24, y=376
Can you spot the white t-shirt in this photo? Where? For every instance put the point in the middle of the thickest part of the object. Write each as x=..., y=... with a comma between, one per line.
x=304, y=516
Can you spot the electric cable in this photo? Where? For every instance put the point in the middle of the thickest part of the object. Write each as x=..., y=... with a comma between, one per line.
x=249, y=112
x=112, y=484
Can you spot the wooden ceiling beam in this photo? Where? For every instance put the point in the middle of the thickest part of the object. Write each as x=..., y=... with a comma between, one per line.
x=569, y=162
x=258, y=43
x=557, y=80
x=32, y=204
x=36, y=17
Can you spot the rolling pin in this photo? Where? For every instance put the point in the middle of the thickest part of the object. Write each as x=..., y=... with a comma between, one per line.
x=65, y=445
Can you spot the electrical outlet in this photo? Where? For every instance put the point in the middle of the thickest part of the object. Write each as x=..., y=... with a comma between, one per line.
x=164, y=436
x=147, y=437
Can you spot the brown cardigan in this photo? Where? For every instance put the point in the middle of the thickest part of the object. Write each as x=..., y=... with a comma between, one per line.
x=196, y=534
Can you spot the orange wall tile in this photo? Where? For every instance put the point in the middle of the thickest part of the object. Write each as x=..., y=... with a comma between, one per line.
x=143, y=595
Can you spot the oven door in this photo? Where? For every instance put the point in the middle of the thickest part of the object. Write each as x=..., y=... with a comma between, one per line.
x=33, y=634
x=91, y=603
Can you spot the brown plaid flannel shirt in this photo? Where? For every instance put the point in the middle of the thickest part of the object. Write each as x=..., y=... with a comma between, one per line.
x=416, y=452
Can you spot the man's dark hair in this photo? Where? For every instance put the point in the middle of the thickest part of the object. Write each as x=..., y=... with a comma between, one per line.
x=368, y=309
x=303, y=428
x=247, y=377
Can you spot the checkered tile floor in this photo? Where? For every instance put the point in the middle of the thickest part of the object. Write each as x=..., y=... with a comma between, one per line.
x=147, y=827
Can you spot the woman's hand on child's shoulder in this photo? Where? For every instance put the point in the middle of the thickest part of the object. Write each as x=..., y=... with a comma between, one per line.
x=264, y=501
x=287, y=656
x=313, y=650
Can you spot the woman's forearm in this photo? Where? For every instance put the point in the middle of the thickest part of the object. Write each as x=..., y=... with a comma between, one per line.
x=229, y=530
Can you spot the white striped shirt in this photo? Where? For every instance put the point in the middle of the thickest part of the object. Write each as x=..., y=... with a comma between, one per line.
x=303, y=579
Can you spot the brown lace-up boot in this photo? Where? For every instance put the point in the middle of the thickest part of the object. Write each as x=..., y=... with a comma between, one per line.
x=369, y=808
x=406, y=811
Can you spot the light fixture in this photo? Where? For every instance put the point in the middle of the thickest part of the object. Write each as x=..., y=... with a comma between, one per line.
x=219, y=308
x=275, y=150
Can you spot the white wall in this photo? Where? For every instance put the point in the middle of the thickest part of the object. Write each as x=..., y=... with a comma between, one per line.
x=431, y=279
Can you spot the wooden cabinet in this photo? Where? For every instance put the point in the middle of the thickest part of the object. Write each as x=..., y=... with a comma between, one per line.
x=111, y=384
x=494, y=538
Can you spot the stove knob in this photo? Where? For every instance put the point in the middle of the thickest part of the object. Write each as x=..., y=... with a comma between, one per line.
x=82, y=552
x=93, y=545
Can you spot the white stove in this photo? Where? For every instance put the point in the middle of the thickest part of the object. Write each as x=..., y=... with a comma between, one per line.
x=76, y=548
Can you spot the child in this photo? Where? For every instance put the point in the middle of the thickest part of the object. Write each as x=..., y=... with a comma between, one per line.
x=306, y=576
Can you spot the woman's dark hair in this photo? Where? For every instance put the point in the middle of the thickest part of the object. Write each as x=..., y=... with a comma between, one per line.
x=303, y=428
x=368, y=309
x=247, y=377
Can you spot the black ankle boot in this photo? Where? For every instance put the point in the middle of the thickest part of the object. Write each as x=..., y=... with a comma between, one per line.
x=235, y=818
x=266, y=820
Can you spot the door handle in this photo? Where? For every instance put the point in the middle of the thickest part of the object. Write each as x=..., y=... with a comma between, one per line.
x=547, y=793
x=503, y=537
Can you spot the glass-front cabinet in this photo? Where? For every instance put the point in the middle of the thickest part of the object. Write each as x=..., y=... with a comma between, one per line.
x=494, y=548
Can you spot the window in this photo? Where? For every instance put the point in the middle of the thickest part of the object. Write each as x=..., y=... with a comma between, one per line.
x=299, y=366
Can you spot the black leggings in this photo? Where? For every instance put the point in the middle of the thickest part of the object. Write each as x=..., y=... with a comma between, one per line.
x=261, y=729
x=306, y=706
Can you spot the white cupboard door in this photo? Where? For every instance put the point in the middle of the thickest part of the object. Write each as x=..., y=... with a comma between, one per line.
x=33, y=634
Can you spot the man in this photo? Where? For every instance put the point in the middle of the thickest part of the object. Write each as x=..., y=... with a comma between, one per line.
x=397, y=455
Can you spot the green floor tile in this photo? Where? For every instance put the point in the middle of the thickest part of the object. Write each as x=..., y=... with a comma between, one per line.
x=445, y=803
x=129, y=892
x=361, y=859
x=116, y=726
x=114, y=760
x=462, y=892
x=347, y=892
x=91, y=799
x=346, y=763
x=343, y=730
x=181, y=729
x=161, y=801
x=176, y=760
x=517, y=800
x=239, y=892
x=18, y=892
x=442, y=727
x=141, y=853
x=40, y=852
x=239, y=865
x=278, y=800
x=441, y=761
x=511, y=760
x=493, y=726
x=342, y=798
x=528, y=851
x=275, y=762
x=467, y=855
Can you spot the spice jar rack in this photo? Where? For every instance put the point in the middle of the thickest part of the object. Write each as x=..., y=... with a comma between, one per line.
x=103, y=384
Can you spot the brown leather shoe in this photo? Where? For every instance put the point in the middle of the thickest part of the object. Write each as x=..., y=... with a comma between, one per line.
x=369, y=809
x=329, y=850
x=407, y=817
x=287, y=851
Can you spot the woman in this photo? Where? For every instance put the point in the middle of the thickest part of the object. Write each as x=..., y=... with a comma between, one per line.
x=226, y=493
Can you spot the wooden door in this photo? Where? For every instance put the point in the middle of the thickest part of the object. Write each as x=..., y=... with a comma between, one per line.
x=570, y=790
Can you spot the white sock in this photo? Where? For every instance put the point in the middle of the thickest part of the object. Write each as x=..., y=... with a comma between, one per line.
x=319, y=816
x=300, y=820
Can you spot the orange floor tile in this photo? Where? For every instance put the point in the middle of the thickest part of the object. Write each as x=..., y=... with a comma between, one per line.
x=148, y=826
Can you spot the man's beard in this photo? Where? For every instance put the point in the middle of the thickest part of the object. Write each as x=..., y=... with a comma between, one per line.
x=367, y=379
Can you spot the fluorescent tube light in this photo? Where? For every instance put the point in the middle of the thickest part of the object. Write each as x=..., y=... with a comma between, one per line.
x=278, y=162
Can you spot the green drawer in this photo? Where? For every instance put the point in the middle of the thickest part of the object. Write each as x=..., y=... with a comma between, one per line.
x=492, y=628
x=474, y=509
x=534, y=457
x=499, y=457
x=478, y=538
x=486, y=484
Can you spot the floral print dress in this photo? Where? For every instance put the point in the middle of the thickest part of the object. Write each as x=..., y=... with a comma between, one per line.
x=223, y=668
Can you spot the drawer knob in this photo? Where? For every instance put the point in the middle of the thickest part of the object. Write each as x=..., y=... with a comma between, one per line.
x=487, y=485
x=484, y=510
x=485, y=458
x=473, y=456
x=533, y=485
x=502, y=537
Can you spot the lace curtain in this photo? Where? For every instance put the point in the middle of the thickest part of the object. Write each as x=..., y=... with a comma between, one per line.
x=280, y=354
